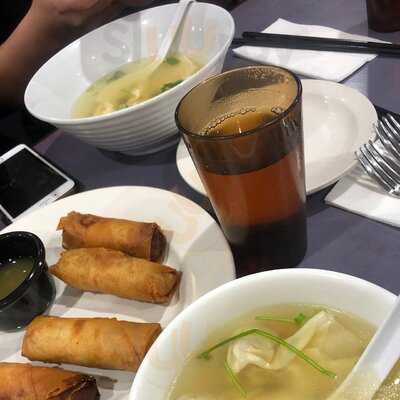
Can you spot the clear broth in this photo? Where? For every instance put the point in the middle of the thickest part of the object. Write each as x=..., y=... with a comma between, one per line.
x=132, y=84
x=208, y=380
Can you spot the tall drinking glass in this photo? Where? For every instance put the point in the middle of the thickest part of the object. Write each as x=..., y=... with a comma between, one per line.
x=383, y=15
x=243, y=129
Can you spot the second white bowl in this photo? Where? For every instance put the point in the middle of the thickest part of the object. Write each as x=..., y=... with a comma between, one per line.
x=207, y=32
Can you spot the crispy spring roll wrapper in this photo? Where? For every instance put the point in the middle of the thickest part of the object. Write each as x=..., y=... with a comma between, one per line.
x=113, y=272
x=139, y=239
x=26, y=382
x=91, y=342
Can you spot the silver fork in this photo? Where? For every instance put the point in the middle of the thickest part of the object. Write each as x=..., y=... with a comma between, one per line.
x=381, y=158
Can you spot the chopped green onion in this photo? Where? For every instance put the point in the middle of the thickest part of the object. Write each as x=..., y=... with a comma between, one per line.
x=235, y=381
x=172, y=60
x=170, y=85
x=300, y=319
x=275, y=319
x=116, y=75
x=274, y=338
x=95, y=86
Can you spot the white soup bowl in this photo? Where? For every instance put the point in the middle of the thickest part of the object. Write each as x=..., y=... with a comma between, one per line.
x=186, y=333
x=147, y=127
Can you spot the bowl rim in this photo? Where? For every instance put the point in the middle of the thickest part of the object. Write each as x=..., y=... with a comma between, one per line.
x=115, y=114
x=140, y=377
x=38, y=267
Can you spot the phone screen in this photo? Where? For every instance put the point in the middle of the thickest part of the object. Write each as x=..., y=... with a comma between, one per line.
x=25, y=180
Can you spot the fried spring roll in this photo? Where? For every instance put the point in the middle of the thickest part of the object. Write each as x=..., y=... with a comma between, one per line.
x=139, y=239
x=26, y=382
x=113, y=272
x=91, y=342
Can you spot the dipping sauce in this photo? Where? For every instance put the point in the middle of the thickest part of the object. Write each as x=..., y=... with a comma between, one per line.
x=13, y=273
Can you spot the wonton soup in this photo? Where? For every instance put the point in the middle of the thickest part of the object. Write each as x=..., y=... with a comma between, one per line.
x=132, y=84
x=247, y=359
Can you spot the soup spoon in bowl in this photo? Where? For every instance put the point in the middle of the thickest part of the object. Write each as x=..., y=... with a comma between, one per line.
x=375, y=363
x=169, y=38
x=172, y=31
x=142, y=78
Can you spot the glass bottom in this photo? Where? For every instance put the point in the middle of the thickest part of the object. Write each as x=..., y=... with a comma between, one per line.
x=274, y=246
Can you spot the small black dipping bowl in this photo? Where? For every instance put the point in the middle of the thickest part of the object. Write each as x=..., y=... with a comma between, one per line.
x=34, y=295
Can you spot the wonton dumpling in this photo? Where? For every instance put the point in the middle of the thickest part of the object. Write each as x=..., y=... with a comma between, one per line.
x=337, y=342
x=104, y=108
x=251, y=349
x=321, y=331
x=302, y=338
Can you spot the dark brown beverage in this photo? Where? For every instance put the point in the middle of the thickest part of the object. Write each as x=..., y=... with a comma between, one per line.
x=243, y=130
x=384, y=15
x=261, y=207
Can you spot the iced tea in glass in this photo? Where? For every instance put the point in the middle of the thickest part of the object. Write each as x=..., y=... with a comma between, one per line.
x=243, y=129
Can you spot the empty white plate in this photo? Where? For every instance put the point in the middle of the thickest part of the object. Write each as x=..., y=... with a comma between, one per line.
x=336, y=121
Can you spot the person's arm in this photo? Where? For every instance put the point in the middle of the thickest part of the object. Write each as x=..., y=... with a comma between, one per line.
x=47, y=27
x=28, y=47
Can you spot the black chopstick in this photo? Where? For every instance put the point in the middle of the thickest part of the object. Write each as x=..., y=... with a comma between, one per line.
x=315, y=43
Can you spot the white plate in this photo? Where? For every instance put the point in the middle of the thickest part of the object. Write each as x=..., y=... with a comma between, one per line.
x=193, y=237
x=336, y=120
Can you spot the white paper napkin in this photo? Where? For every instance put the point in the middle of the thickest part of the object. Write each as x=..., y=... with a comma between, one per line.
x=334, y=66
x=358, y=193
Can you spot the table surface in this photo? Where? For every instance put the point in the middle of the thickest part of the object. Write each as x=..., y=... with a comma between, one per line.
x=338, y=240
